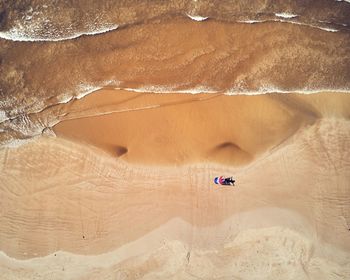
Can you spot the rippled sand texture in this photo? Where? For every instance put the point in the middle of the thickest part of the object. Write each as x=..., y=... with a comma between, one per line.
x=287, y=217
x=109, y=143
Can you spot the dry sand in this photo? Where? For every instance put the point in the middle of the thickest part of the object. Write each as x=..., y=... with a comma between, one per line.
x=78, y=207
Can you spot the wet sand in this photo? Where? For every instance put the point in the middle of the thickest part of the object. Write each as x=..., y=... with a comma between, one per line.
x=145, y=128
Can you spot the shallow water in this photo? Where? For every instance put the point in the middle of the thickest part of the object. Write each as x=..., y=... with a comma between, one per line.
x=169, y=55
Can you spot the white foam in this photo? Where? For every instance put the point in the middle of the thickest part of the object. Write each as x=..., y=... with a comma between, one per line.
x=153, y=89
x=21, y=33
x=328, y=22
x=285, y=15
x=102, y=30
x=291, y=22
x=328, y=29
x=169, y=89
x=86, y=90
x=203, y=89
x=268, y=89
x=197, y=90
x=197, y=18
x=251, y=21
x=232, y=91
x=3, y=116
x=65, y=99
x=348, y=1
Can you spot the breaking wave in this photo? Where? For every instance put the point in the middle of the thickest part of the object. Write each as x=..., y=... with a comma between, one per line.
x=42, y=21
x=163, y=51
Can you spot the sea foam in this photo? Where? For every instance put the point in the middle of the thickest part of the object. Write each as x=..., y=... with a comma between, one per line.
x=285, y=15
x=197, y=18
x=20, y=33
x=3, y=116
x=328, y=29
x=169, y=89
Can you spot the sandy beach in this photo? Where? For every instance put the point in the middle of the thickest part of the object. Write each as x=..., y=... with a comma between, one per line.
x=153, y=214
x=145, y=128
x=117, y=117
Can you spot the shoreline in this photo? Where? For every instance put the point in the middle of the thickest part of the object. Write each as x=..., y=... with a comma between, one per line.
x=152, y=128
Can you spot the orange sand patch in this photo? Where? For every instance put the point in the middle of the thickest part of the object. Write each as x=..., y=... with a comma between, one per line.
x=170, y=129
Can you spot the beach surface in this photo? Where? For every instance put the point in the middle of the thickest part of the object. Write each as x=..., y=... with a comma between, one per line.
x=116, y=117
x=111, y=196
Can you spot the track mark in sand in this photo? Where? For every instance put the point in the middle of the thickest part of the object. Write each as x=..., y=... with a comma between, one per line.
x=81, y=221
x=346, y=224
x=188, y=256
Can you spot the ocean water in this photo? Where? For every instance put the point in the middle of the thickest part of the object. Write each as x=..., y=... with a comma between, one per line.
x=141, y=105
x=40, y=20
x=52, y=54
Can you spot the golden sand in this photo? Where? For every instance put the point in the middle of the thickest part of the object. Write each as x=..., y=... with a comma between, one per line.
x=87, y=213
x=169, y=129
x=101, y=177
